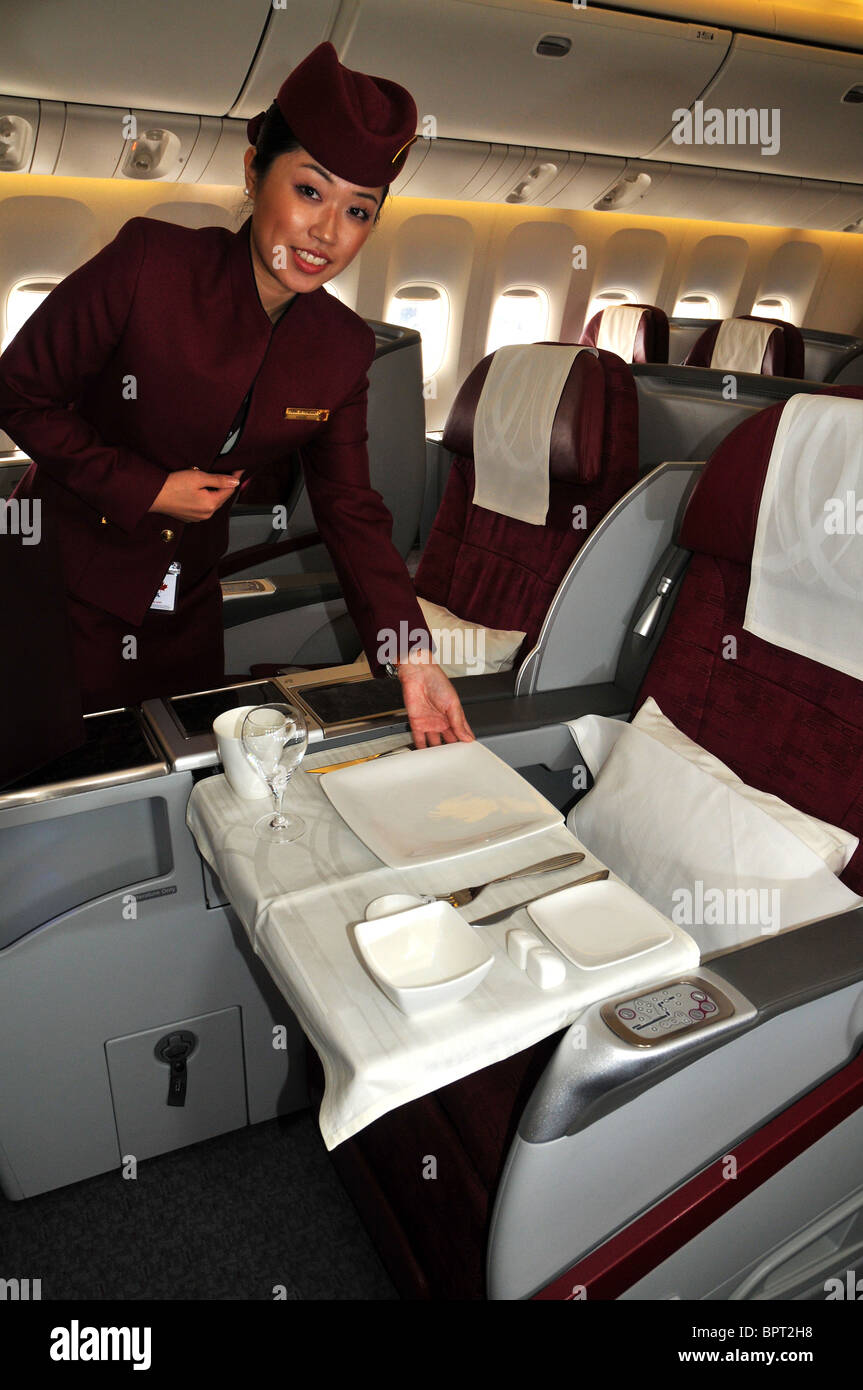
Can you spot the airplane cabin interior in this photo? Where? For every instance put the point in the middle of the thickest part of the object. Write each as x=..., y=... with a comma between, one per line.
x=614, y=411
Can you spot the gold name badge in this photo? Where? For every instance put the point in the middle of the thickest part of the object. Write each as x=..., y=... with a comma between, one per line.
x=299, y=412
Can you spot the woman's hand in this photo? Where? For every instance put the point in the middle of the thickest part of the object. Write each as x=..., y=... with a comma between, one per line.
x=190, y=495
x=433, y=707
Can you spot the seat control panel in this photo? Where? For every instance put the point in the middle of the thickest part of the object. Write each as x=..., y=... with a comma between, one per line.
x=649, y=1018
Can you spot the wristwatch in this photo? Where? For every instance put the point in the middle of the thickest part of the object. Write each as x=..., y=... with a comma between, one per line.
x=391, y=670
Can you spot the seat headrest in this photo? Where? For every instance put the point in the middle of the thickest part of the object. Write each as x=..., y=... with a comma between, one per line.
x=722, y=516
x=750, y=343
x=635, y=339
x=577, y=432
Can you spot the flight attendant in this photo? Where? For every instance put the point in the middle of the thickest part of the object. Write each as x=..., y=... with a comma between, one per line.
x=176, y=362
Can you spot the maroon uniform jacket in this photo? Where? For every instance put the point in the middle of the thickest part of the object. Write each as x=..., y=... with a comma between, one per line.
x=135, y=366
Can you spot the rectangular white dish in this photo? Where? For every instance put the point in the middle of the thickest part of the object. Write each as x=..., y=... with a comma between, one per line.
x=600, y=924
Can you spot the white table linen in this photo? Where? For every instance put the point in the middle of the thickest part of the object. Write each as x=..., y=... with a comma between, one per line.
x=298, y=903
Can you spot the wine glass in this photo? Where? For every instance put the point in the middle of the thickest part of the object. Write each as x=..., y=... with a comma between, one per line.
x=275, y=738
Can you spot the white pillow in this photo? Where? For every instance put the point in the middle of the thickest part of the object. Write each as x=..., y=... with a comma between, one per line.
x=596, y=736
x=469, y=649
x=698, y=850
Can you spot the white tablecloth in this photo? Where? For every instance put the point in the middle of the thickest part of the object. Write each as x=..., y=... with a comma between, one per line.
x=299, y=902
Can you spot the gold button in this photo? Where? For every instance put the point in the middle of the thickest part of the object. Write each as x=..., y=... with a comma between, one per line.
x=167, y=536
x=104, y=520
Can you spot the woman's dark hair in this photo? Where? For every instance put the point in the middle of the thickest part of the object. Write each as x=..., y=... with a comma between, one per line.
x=276, y=137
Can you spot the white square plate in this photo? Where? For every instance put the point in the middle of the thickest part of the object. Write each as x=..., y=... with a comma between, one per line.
x=600, y=924
x=437, y=803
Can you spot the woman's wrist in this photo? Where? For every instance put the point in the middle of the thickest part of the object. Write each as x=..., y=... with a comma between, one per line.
x=414, y=659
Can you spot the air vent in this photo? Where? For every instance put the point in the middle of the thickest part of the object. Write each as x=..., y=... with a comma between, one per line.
x=16, y=142
x=628, y=190
x=539, y=178
x=854, y=94
x=555, y=46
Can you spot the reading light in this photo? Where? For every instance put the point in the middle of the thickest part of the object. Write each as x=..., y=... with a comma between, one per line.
x=151, y=155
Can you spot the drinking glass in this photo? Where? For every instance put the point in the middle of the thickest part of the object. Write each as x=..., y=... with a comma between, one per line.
x=275, y=738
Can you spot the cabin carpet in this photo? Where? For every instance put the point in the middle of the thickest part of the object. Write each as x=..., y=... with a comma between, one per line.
x=255, y=1214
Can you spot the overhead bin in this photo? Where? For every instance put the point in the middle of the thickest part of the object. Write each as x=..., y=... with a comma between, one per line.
x=477, y=71
x=164, y=55
x=799, y=91
x=836, y=22
x=293, y=29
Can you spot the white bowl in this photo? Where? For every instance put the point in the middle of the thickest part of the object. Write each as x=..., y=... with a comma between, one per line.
x=424, y=958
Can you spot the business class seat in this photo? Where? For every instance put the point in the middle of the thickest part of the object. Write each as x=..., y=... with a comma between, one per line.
x=503, y=572
x=734, y=345
x=785, y=724
x=636, y=332
x=495, y=570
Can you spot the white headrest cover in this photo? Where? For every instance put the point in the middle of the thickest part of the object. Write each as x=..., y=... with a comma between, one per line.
x=806, y=586
x=618, y=329
x=740, y=345
x=512, y=428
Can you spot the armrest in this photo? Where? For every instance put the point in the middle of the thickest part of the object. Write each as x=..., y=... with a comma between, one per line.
x=582, y=1084
x=495, y=711
x=290, y=591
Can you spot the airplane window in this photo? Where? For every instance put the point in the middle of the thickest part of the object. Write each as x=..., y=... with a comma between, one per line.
x=697, y=306
x=606, y=299
x=425, y=308
x=519, y=316
x=775, y=307
x=21, y=300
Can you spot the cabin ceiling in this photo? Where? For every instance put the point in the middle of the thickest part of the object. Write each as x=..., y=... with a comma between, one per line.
x=612, y=99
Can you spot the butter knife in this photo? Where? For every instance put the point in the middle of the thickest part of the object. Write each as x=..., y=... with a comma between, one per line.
x=505, y=912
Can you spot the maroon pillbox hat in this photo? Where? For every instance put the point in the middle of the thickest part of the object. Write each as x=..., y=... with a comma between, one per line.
x=358, y=127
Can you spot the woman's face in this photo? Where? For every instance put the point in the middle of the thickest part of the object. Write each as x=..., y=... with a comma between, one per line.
x=307, y=225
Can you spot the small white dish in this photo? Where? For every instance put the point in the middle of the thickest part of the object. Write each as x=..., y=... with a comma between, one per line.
x=600, y=924
x=425, y=957
x=437, y=803
x=393, y=902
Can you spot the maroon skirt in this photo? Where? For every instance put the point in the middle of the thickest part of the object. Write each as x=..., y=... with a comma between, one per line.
x=119, y=664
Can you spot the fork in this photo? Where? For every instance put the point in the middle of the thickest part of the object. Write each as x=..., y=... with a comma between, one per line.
x=462, y=896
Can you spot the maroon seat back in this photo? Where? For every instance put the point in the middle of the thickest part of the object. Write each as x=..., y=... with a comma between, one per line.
x=501, y=572
x=784, y=723
x=783, y=355
x=651, y=340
